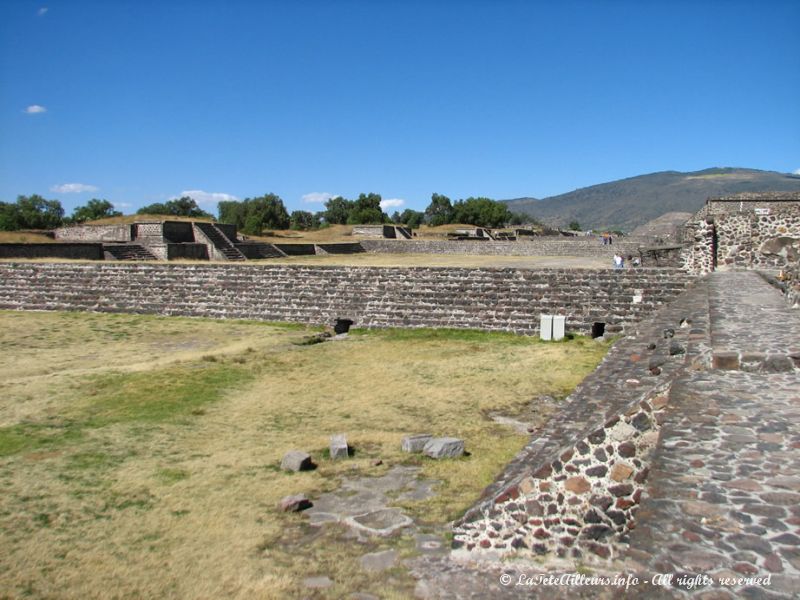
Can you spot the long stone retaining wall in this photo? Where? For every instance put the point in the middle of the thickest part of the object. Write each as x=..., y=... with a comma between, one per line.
x=486, y=299
x=537, y=247
x=75, y=251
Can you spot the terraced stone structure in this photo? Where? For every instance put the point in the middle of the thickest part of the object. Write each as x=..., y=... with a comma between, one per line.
x=537, y=246
x=663, y=462
x=486, y=299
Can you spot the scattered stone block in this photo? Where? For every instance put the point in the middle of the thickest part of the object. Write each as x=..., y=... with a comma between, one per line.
x=415, y=443
x=318, y=583
x=382, y=522
x=379, y=561
x=445, y=447
x=297, y=460
x=338, y=447
x=294, y=503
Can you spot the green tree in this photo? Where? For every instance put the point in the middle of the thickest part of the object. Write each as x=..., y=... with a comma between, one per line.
x=184, y=206
x=302, y=220
x=93, y=210
x=337, y=211
x=31, y=212
x=253, y=215
x=517, y=219
x=481, y=212
x=411, y=218
x=439, y=211
x=367, y=209
x=575, y=226
x=9, y=217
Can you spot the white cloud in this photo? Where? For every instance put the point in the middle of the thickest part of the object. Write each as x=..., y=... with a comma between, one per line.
x=202, y=197
x=35, y=109
x=122, y=205
x=318, y=197
x=796, y=171
x=42, y=11
x=392, y=203
x=73, y=188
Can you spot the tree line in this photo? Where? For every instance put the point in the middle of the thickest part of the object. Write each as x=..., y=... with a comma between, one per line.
x=254, y=215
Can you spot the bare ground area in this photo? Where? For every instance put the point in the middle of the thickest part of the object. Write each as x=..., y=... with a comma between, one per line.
x=139, y=455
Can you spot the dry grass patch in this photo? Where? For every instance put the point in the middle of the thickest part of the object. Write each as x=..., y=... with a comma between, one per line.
x=444, y=260
x=26, y=237
x=145, y=459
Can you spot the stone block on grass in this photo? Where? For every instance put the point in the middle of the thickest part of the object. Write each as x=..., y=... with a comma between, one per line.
x=445, y=447
x=294, y=503
x=415, y=443
x=297, y=460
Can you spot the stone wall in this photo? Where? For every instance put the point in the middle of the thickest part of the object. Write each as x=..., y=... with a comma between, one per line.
x=178, y=231
x=486, y=299
x=744, y=232
x=187, y=251
x=699, y=256
x=57, y=250
x=375, y=231
x=537, y=247
x=297, y=249
x=749, y=240
x=94, y=233
x=574, y=490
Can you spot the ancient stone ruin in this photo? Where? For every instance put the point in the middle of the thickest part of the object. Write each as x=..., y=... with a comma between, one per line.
x=744, y=231
x=677, y=455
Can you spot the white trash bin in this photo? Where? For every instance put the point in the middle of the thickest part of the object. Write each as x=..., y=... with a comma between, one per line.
x=559, y=324
x=546, y=327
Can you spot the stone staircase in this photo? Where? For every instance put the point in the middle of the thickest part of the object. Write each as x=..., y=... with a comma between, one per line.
x=220, y=241
x=256, y=250
x=128, y=252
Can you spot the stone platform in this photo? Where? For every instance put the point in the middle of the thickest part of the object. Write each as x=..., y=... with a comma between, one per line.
x=719, y=516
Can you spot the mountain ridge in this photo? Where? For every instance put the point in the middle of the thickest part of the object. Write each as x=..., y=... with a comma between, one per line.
x=627, y=203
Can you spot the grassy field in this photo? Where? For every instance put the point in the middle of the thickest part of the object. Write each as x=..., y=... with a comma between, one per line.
x=139, y=455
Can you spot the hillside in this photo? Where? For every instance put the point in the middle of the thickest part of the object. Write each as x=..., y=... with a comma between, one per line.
x=627, y=203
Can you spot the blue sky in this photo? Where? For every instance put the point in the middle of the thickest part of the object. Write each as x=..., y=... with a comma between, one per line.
x=141, y=101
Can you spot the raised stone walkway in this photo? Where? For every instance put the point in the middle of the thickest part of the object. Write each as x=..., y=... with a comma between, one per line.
x=720, y=517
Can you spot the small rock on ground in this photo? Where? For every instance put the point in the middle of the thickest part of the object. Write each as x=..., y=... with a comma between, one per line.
x=415, y=443
x=294, y=503
x=444, y=448
x=379, y=561
x=297, y=460
x=318, y=583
